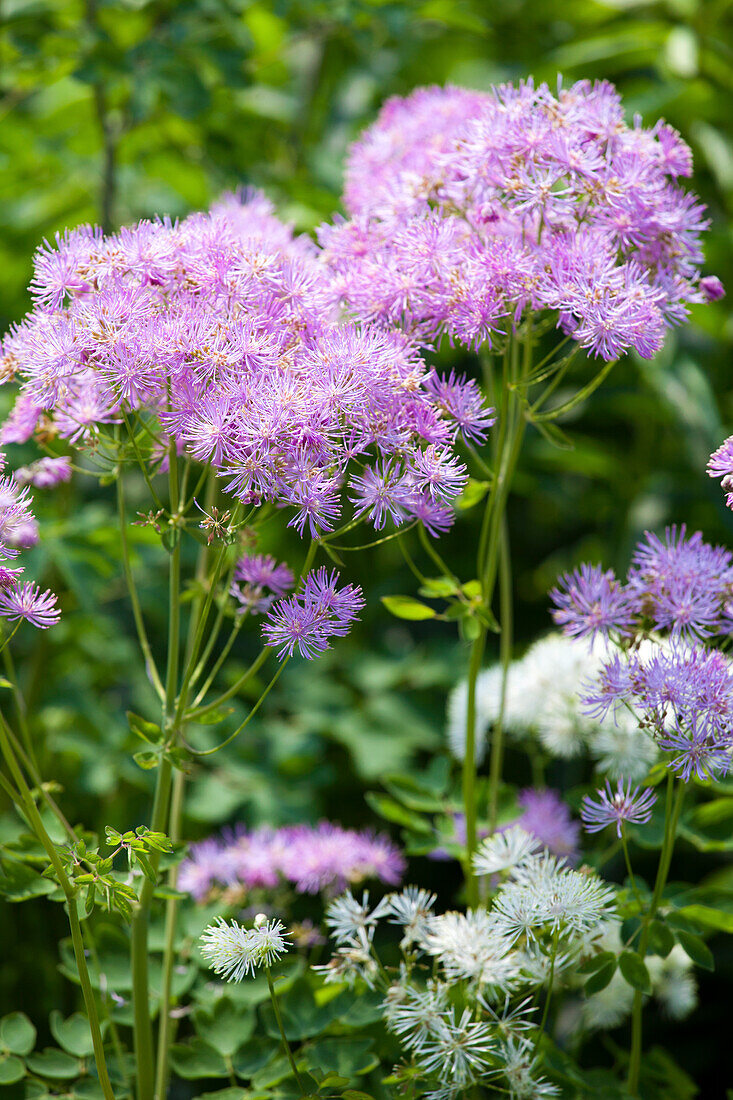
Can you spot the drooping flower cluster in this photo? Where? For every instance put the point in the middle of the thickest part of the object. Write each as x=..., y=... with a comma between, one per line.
x=678, y=690
x=467, y=209
x=20, y=601
x=542, y=697
x=223, y=332
x=317, y=858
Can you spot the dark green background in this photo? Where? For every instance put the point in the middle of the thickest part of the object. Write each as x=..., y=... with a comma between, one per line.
x=114, y=111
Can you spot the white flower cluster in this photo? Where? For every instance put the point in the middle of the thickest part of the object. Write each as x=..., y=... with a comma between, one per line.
x=232, y=951
x=473, y=1020
x=542, y=698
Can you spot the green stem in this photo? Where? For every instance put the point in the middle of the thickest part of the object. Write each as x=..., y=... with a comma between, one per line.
x=142, y=634
x=20, y=706
x=505, y=651
x=673, y=808
x=164, y=1029
x=550, y=980
x=286, y=1044
x=627, y=860
x=142, y=1026
x=469, y=766
x=77, y=940
x=232, y=691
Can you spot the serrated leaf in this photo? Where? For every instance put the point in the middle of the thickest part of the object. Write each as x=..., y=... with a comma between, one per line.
x=634, y=971
x=405, y=607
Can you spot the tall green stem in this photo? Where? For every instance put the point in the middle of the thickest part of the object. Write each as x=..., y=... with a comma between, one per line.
x=469, y=766
x=143, y=1030
x=164, y=1028
x=673, y=808
x=505, y=655
x=511, y=433
x=279, y=1019
x=77, y=939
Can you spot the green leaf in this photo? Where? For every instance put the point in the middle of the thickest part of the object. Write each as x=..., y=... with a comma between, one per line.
x=254, y=1055
x=73, y=1034
x=696, y=949
x=197, y=1059
x=405, y=607
x=17, y=1033
x=226, y=1027
x=708, y=917
x=146, y=760
x=603, y=958
x=347, y=1057
x=661, y=938
x=634, y=971
x=53, y=1063
x=11, y=1069
x=437, y=588
x=474, y=492
x=601, y=978
x=144, y=729
x=212, y=717
x=393, y=811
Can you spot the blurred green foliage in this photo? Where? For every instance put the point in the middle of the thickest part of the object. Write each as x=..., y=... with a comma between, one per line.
x=114, y=110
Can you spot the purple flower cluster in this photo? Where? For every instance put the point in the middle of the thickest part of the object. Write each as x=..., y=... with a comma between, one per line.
x=547, y=817
x=720, y=466
x=676, y=584
x=683, y=696
x=544, y=815
x=308, y=619
x=258, y=581
x=615, y=807
x=679, y=590
x=317, y=858
x=18, y=531
x=467, y=209
x=45, y=473
x=225, y=328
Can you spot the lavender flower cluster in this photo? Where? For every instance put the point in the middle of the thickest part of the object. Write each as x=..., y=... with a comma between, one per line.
x=18, y=531
x=225, y=328
x=467, y=209
x=676, y=584
x=677, y=594
x=324, y=857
